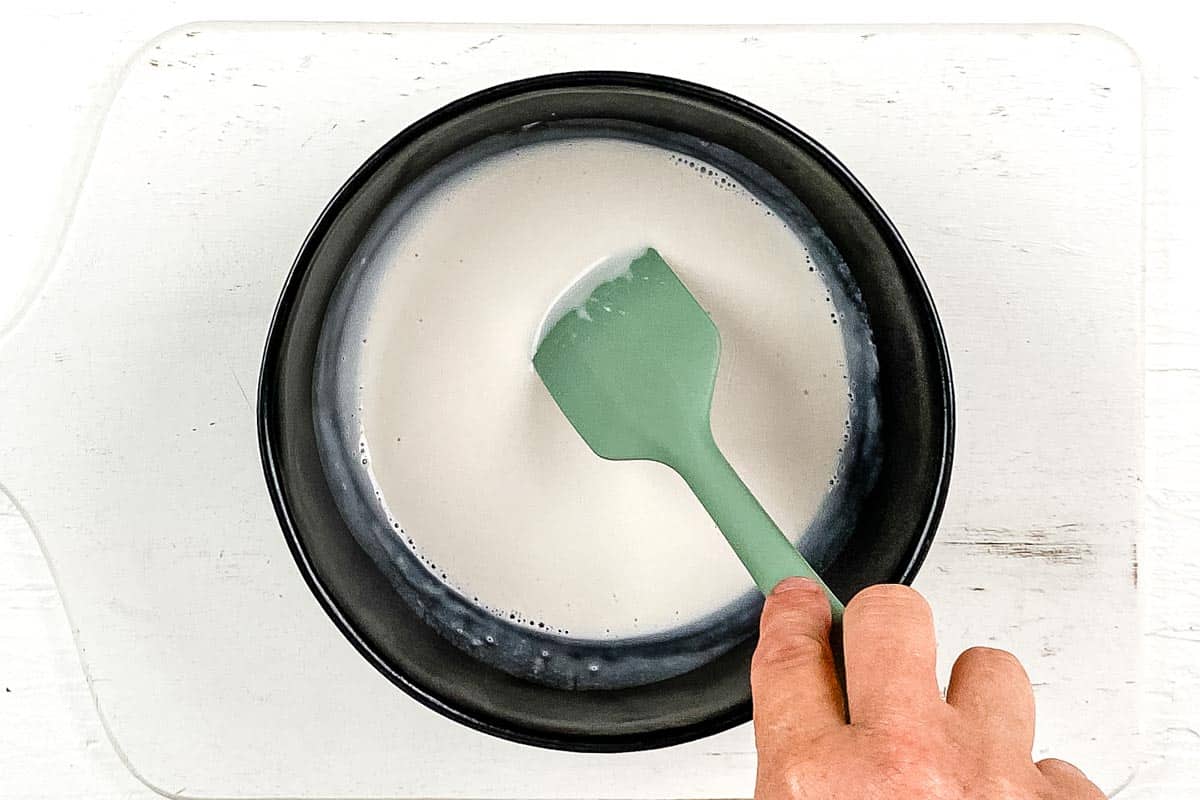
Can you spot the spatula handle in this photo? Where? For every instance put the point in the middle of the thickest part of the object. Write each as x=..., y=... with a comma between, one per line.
x=766, y=553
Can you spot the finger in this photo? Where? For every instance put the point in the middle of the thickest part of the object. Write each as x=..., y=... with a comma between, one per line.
x=795, y=688
x=990, y=687
x=891, y=654
x=1067, y=781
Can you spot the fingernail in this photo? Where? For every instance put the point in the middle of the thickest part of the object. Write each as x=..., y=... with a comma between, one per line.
x=794, y=584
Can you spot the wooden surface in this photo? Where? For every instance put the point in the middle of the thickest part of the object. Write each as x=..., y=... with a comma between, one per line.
x=1169, y=675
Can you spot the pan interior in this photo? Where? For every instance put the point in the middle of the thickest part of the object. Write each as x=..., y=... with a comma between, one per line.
x=454, y=470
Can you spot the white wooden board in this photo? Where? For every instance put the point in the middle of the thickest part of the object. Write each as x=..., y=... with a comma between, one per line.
x=1009, y=159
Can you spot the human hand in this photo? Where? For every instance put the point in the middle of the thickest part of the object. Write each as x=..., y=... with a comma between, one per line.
x=903, y=740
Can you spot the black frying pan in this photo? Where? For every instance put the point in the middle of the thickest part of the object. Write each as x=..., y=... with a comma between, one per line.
x=895, y=517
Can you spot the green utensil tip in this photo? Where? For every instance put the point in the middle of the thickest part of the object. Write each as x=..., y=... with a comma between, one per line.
x=633, y=369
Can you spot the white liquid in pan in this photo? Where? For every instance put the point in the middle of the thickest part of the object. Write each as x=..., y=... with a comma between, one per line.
x=492, y=486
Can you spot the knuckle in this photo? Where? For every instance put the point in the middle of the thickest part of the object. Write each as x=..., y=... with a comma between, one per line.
x=790, y=623
x=781, y=652
x=912, y=750
x=797, y=776
x=787, y=778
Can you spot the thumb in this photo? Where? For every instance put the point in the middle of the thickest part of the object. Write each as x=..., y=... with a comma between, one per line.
x=792, y=676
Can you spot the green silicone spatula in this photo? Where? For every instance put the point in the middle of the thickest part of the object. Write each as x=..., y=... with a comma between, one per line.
x=632, y=367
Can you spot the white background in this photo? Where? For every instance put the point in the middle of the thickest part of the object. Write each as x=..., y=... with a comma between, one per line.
x=60, y=67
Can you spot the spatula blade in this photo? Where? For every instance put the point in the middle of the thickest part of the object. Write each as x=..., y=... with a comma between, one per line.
x=633, y=368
